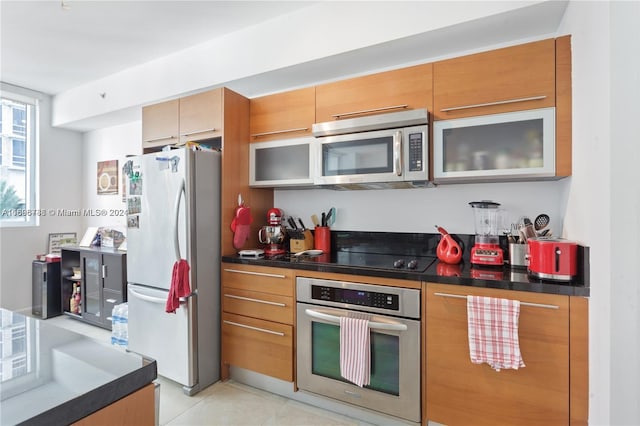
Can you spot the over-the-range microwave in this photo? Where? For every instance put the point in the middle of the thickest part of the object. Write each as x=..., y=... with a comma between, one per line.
x=378, y=151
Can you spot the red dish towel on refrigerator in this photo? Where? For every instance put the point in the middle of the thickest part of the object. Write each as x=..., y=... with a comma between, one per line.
x=355, y=350
x=493, y=332
x=179, y=285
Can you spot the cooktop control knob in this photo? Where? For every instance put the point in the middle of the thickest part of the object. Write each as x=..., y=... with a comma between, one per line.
x=412, y=264
x=398, y=263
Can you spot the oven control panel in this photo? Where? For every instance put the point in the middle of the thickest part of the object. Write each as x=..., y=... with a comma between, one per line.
x=355, y=297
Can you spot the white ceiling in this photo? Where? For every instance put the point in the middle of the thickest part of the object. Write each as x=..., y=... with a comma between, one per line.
x=50, y=48
x=52, y=45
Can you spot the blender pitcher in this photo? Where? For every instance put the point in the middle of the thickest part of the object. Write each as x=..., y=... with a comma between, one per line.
x=486, y=250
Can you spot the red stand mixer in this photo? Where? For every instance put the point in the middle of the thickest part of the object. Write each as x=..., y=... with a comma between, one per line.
x=273, y=234
x=487, y=250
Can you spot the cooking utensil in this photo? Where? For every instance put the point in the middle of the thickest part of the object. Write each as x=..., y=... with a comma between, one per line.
x=448, y=249
x=331, y=216
x=528, y=230
x=302, y=224
x=540, y=224
x=314, y=219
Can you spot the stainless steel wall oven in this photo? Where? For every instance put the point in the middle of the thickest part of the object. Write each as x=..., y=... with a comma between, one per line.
x=394, y=324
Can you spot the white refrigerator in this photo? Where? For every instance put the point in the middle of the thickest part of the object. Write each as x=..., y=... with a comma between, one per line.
x=173, y=212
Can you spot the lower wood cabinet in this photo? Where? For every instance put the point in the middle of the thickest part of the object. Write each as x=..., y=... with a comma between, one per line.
x=458, y=392
x=257, y=320
x=135, y=409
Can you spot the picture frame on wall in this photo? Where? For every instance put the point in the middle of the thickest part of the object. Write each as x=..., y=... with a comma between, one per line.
x=107, y=177
x=56, y=241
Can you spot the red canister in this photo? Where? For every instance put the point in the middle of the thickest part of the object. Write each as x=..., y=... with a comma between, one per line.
x=552, y=258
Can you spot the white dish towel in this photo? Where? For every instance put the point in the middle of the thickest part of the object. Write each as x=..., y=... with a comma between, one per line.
x=355, y=350
x=493, y=332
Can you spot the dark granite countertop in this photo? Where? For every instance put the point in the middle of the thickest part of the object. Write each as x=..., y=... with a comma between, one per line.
x=66, y=376
x=346, y=244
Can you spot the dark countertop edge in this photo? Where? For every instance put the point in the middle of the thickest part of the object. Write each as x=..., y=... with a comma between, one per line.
x=428, y=276
x=96, y=399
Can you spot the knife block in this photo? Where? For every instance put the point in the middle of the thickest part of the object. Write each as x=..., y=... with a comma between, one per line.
x=298, y=244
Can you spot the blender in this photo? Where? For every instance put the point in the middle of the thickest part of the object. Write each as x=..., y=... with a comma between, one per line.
x=486, y=250
x=273, y=234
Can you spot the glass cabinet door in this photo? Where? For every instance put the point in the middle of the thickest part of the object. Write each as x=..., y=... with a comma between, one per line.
x=518, y=144
x=92, y=279
x=281, y=163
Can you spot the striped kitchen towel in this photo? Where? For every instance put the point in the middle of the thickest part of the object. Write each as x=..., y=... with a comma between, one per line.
x=355, y=350
x=493, y=332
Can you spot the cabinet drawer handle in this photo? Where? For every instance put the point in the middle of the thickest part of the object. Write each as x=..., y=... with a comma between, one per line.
x=367, y=111
x=277, y=132
x=164, y=138
x=535, y=305
x=111, y=300
x=507, y=101
x=263, y=330
x=261, y=274
x=198, y=132
x=249, y=299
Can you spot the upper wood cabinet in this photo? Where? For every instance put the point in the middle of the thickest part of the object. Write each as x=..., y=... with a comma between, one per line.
x=282, y=115
x=160, y=124
x=201, y=116
x=503, y=80
x=536, y=394
x=406, y=88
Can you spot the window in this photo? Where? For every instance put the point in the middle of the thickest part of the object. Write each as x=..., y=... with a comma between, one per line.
x=17, y=161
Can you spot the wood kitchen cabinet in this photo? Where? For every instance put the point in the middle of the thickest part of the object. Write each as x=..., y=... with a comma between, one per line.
x=160, y=125
x=257, y=320
x=458, y=392
x=529, y=76
x=282, y=115
x=390, y=91
x=497, y=81
x=201, y=116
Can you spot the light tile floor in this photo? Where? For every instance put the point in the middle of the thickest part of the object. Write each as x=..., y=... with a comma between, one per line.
x=223, y=403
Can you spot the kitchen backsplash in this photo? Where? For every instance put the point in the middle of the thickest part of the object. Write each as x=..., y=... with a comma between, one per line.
x=419, y=210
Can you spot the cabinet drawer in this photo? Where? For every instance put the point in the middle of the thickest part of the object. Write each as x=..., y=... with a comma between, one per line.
x=257, y=278
x=535, y=394
x=262, y=346
x=254, y=304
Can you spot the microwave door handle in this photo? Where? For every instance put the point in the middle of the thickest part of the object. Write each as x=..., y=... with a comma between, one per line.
x=372, y=325
x=397, y=153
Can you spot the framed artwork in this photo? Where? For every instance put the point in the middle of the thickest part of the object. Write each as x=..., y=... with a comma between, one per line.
x=107, y=177
x=56, y=241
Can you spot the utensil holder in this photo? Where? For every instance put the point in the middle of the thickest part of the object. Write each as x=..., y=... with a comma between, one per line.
x=323, y=238
x=517, y=255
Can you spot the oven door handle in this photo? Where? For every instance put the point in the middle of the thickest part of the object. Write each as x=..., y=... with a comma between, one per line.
x=372, y=324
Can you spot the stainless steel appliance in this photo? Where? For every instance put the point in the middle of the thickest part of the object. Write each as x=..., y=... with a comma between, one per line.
x=394, y=322
x=377, y=151
x=46, y=289
x=273, y=234
x=173, y=202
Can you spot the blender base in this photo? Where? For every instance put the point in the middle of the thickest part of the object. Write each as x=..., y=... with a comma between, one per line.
x=487, y=254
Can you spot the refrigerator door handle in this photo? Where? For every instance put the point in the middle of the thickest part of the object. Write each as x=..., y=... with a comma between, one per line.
x=156, y=299
x=176, y=210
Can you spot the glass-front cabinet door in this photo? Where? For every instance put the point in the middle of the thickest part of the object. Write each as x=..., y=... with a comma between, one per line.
x=516, y=145
x=92, y=277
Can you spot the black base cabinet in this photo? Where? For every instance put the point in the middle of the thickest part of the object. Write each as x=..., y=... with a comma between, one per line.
x=101, y=275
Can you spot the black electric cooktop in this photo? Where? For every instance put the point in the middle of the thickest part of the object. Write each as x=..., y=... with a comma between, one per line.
x=397, y=262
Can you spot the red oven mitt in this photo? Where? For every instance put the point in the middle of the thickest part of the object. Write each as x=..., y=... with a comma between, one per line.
x=240, y=225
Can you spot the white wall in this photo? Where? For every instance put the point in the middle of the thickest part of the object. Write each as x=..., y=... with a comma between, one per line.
x=111, y=143
x=60, y=182
x=420, y=209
